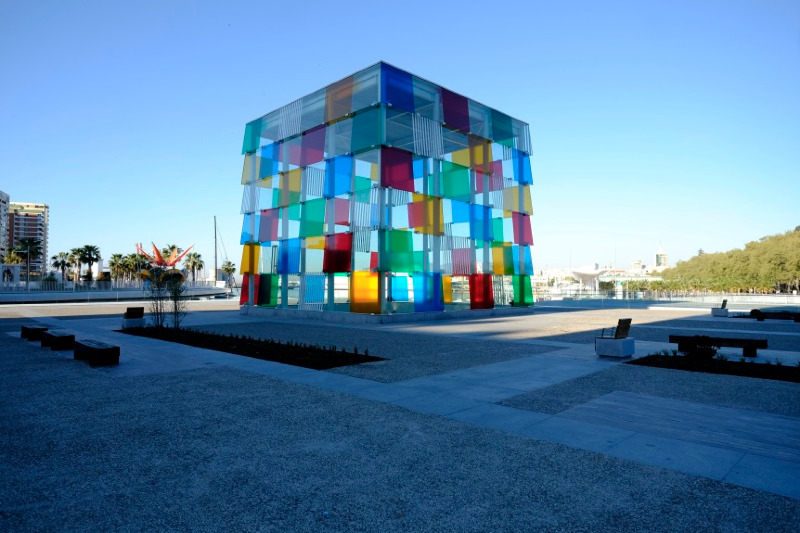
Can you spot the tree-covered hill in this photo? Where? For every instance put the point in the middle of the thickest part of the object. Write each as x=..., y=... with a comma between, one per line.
x=769, y=264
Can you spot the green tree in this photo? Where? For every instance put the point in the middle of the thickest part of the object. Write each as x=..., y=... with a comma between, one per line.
x=32, y=248
x=13, y=258
x=75, y=259
x=193, y=262
x=61, y=261
x=228, y=269
x=89, y=255
x=116, y=266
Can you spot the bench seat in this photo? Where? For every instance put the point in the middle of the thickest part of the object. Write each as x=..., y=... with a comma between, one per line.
x=58, y=340
x=32, y=333
x=96, y=353
x=749, y=346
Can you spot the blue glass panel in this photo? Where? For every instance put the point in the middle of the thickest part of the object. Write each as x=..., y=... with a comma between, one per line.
x=397, y=88
x=400, y=288
x=528, y=263
x=460, y=211
x=338, y=173
x=428, y=292
x=522, y=167
x=289, y=257
x=480, y=222
x=270, y=160
x=247, y=235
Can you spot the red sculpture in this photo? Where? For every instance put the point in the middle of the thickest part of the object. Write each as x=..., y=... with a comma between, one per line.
x=157, y=260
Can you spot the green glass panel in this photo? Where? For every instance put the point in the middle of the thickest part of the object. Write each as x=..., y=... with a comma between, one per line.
x=398, y=254
x=312, y=222
x=523, y=293
x=366, y=130
x=294, y=211
x=497, y=229
x=455, y=181
x=502, y=132
x=268, y=290
x=363, y=184
x=252, y=136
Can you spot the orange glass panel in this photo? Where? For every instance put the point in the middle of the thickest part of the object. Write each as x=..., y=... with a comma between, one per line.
x=364, y=294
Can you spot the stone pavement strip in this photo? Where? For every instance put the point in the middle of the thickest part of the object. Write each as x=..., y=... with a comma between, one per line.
x=743, y=447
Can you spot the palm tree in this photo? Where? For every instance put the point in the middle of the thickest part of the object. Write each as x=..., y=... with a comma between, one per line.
x=89, y=254
x=75, y=259
x=194, y=262
x=32, y=248
x=166, y=252
x=115, y=265
x=62, y=262
x=228, y=269
x=13, y=258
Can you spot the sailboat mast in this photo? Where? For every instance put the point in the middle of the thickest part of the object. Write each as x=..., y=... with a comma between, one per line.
x=215, y=250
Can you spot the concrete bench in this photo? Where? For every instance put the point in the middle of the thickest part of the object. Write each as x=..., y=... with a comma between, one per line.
x=133, y=318
x=96, y=353
x=616, y=343
x=749, y=346
x=58, y=340
x=32, y=333
x=720, y=311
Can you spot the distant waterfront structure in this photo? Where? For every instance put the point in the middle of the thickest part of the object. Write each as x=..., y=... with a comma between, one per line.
x=30, y=220
x=383, y=193
x=4, y=234
x=662, y=260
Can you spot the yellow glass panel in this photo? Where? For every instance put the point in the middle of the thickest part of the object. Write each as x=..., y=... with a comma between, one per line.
x=250, y=168
x=497, y=260
x=316, y=243
x=447, y=289
x=461, y=157
x=290, y=186
x=480, y=153
x=364, y=295
x=250, y=254
x=511, y=199
x=527, y=206
x=432, y=220
x=374, y=172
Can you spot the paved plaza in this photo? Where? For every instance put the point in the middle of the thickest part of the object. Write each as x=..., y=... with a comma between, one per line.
x=492, y=424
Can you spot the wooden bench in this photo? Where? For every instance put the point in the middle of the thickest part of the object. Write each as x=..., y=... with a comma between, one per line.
x=58, y=340
x=32, y=333
x=96, y=353
x=749, y=346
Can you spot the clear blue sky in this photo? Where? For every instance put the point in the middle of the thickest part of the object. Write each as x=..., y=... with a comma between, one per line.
x=652, y=122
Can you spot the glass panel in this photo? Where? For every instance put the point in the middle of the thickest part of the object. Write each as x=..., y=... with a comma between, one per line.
x=522, y=167
x=447, y=289
x=338, y=173
x=338, y=249
x=247, y=230
x=269, y=223
x=428, y=292
x=364, y=296
x=455, y=182
x=366, y=131
x=268, y=290
x=397, y=169
x=427, y=99
x=522, y=228
x=398, y=254
x=523, y=293
x=400, y=288
x=480, y=120
x=456, y=110
x=249, y=263
x=396, y=88
x=252, y=136
x=480, y=223
x=289, y=257
x=366, y=88
x=339, y=99
x=312, y=221
x=313, y=110
x=399, y=129
x=501, y=129
x=481, y=295
x=313, y=146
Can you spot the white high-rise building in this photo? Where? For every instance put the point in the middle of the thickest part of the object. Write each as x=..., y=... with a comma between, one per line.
x=27, y=220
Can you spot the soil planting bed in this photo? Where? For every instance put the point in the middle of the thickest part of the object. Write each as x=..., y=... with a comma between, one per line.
x=307, y=356
x=718, y=366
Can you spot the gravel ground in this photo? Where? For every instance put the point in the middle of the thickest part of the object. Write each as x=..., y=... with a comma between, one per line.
x=408, y=356
x=778, y=397
x=220, y=449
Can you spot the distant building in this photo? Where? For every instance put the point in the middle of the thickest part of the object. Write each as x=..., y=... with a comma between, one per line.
x=27, y=220
x=662, y=260
x=4, y=235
